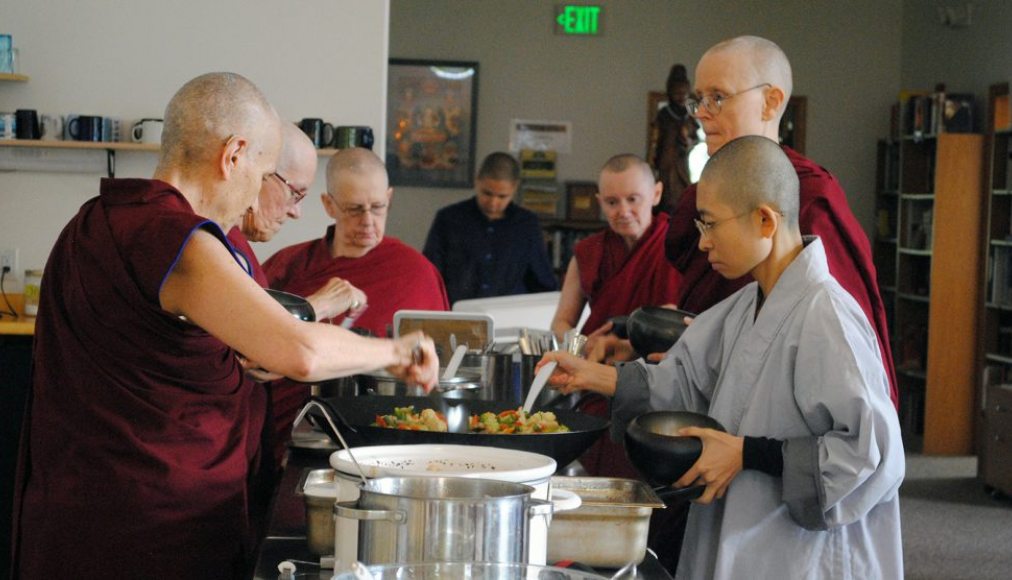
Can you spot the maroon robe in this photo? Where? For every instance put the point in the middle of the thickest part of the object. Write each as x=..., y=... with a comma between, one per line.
x=393, y=276
x=247, y=255
x=824, y=213
x=139, y=433
x=616, y=281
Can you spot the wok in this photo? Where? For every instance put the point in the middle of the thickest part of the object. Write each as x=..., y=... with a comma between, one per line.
x=354, y=416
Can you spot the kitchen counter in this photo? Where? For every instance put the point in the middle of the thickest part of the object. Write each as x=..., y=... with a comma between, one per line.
x=286, y=532
x=21, y=326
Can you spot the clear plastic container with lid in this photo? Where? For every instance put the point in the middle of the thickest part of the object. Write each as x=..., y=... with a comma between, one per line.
x=33, y=281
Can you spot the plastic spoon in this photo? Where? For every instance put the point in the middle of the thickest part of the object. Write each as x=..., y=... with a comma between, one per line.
x=454, y=364
x=540, y=380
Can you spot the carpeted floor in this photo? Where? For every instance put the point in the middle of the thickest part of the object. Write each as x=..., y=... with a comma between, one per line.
x=952, y=528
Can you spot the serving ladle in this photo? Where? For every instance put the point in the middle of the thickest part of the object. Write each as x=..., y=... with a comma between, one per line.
x=456, y=413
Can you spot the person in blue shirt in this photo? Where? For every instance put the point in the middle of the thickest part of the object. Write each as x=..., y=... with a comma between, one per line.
x=487, y=245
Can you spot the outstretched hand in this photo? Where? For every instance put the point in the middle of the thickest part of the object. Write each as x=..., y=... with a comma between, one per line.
x=418, y=364
x=576, y=374
x=718, y=464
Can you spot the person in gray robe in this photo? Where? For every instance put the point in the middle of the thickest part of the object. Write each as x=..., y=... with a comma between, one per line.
x=805, y=482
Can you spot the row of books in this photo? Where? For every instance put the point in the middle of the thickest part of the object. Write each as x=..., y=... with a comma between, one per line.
x=925, y=114
x=560, y=247
x=999, y=276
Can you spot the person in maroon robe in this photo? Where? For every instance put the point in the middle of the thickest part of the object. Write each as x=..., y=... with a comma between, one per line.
x=140, y=433
x=742, y=86
x=616, y=271
x=279, y=198
x=355, y=250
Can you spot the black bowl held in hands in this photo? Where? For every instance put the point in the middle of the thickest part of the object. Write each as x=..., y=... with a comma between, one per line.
x=655, y=329
x=297, y=306
x=661, y=455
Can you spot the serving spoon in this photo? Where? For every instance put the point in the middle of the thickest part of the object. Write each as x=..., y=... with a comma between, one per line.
x=538, y=384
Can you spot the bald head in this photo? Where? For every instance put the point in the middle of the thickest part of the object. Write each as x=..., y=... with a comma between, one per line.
x=353, y=162
x=751, y=171
x=626, y=161
x=297, y=152
x=761, y=60
x=210, y=109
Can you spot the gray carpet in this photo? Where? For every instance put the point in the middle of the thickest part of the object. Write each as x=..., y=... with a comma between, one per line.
x=952, y=529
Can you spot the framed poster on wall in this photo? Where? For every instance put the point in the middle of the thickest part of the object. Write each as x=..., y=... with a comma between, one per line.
x=431, y=113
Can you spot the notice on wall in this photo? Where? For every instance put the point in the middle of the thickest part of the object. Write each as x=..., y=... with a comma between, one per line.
x=541, y=135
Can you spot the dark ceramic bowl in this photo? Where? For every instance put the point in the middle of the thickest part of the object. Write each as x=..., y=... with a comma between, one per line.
x=297, y=306
x=657, y=451
x=654, y=329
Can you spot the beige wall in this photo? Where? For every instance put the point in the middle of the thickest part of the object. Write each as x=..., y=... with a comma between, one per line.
x=967, y=59
x=126, y=58
x=846, y=58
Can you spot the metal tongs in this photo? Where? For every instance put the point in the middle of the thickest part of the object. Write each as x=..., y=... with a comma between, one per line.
x=326, y=410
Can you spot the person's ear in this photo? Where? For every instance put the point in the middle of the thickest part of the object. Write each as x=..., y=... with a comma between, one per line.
x=235, y=147
x=769, y=221
x=329, y=205
x=658, y=190
x=773, y=103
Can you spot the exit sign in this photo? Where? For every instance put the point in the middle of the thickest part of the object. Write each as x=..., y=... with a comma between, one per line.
x=578, y=20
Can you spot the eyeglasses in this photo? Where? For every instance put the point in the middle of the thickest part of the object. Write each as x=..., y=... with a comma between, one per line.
x=296, y=194
x=706, y=227
x=357, y=211
x=713, y=102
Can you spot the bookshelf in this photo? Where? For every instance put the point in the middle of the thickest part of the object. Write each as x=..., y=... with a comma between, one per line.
x=926, y=248
x=995, y=354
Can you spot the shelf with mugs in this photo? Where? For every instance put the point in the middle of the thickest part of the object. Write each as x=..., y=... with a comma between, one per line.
x=109, y=147
x=14, y=77
x=94, y=145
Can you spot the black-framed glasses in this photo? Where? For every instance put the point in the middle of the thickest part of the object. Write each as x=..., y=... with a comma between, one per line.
x=713, y=102
x=706, y=227
x=297, y=195
x=357, y=211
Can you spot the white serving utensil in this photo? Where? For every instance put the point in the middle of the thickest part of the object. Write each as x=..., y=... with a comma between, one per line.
x=540, y=380
x=361, y=572
x=454, y=364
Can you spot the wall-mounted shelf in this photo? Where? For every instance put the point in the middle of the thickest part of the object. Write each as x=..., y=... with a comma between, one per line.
x=13, y=77
x=109, y=147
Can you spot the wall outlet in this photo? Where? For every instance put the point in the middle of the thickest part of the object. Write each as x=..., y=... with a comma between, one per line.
x=9, y=259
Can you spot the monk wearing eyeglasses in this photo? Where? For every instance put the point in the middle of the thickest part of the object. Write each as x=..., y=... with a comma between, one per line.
x=386, y=274
x=742, y=87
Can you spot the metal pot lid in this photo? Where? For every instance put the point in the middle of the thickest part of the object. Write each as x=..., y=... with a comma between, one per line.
x=434, y=460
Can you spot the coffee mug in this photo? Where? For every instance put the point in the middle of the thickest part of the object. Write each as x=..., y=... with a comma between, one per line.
x=148, y=131
x=7, y=122
x=110, y=129
x=85, y=128
x=320, y=133
x=27, y=124
x=348, y=137
x=52, y=127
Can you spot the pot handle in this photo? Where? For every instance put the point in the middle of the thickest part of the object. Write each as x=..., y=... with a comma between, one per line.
x=348, y=509
x=565, y=500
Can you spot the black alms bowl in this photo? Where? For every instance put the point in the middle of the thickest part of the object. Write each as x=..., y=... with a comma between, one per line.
x=657, y=451
x=655, y=329
x=297, y=306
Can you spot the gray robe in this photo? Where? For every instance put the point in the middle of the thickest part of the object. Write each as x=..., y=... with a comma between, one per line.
x=807, y=370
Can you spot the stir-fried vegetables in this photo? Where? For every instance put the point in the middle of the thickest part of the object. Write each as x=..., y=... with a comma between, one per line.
x=405, y=418
x=511, y=421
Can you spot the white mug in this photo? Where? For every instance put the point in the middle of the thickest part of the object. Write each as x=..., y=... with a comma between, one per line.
x=52, y=127
x=148, y=131
x=6, y=125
